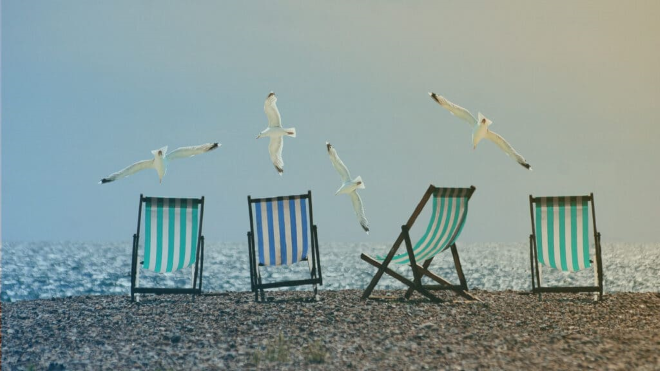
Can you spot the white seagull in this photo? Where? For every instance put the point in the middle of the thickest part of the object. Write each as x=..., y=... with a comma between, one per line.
x=480, y=128
x=160, y=161
x=275, y=132
x=350, y=186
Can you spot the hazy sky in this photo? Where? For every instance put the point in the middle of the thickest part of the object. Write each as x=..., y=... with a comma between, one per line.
x=89, y=87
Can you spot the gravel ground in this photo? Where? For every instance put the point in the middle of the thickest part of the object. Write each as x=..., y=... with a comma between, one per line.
x=506, y=331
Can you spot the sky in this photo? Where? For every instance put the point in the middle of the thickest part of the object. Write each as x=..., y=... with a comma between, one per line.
x=91, y=87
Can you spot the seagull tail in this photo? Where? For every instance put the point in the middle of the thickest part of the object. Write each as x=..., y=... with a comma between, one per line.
x=360, y=182
x=291, y=132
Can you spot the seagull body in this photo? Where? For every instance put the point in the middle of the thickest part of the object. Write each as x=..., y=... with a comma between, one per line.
x=160, y=161
x=349, y=186
x=480, y=129
x=275, y=132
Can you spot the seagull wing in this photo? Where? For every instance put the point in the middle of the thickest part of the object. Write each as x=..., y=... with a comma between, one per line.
x=338, y=163
x=455, y=109
x=132, y=169
x=275, y=150
x=359, y=210
x=273, y=114
x=506, y=147
x=183, y=152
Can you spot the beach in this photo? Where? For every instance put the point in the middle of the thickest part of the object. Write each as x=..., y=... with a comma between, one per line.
x=507, y=330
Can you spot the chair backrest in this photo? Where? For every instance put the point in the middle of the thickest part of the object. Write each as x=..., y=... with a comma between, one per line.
x=450, y=207
x=281, y=227
x=172, y=231
x=560, y=226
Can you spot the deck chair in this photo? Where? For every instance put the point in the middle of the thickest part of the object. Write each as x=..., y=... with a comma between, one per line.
x=173, y=240
x=450, y=207
x=560, y=240
x=282, y=232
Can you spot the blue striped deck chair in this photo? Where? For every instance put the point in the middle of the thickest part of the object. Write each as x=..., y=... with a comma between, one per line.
x=448, y=216
x=282, y=232
x=172, y=241
x=560, y=240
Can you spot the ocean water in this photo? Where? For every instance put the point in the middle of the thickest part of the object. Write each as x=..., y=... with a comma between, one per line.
x=34, y=270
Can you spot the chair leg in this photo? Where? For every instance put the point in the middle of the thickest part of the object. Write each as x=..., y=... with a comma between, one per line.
x=459, y=268
x=410, y=291
x=540, y=270
x=400, y=278
x=381, y=267
x=596, y=294
x=137, y=283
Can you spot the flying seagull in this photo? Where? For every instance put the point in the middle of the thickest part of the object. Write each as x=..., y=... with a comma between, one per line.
x=275, y=132
x=160, y=161
x=480, y=128
x=350, y=186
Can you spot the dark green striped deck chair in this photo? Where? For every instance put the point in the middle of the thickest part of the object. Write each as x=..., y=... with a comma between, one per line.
x=450, y=207
x=172, y=241
x=560, y=240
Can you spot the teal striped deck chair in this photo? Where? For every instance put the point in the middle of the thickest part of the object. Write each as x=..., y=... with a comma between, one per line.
x=560, y=240
x=282, y=232
x=172, y=241
x=448, y=216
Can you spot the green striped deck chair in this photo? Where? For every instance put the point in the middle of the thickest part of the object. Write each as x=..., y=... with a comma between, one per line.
x=560, y=240
x=172, y=241
x=282, y=232
x=448, y=216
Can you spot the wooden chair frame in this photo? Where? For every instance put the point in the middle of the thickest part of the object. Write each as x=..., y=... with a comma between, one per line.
x=536, y=269
x=196, y=288
x=419, y=271
x=316, y=277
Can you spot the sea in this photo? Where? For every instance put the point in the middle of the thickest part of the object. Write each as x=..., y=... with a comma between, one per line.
x=42, y=270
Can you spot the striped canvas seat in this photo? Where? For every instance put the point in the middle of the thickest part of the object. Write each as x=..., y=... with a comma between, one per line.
x=562, y=232
x=282, y=230
x=172, y=240
x=171, y=233
x=448, y=216
x=450, y=207
x=282, y=233
x=560, y=240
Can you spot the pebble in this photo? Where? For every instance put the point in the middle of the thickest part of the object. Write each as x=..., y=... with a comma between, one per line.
x=506, y=331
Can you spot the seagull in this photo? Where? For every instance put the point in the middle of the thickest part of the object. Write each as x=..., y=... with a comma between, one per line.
x=275, y=132
x=160, y=161
x=349, y=186
x=480, y=128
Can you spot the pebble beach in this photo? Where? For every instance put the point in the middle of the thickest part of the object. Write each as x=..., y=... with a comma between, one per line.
x=507, y=330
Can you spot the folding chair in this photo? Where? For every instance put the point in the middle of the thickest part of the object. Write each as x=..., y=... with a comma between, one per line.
x=280, y=235
x=450, y=207
x=560, y=240
x=173, y=240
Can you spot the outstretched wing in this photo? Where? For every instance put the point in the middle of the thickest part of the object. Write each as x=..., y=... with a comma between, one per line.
x=359, y=210
x=455, y=109
x=338, y=164
x=506, y=147
x=275, y=150
x=183, y=152
x=132, y=169
x=273, y=114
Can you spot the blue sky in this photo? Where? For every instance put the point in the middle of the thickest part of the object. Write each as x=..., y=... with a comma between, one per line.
x=91, y=87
